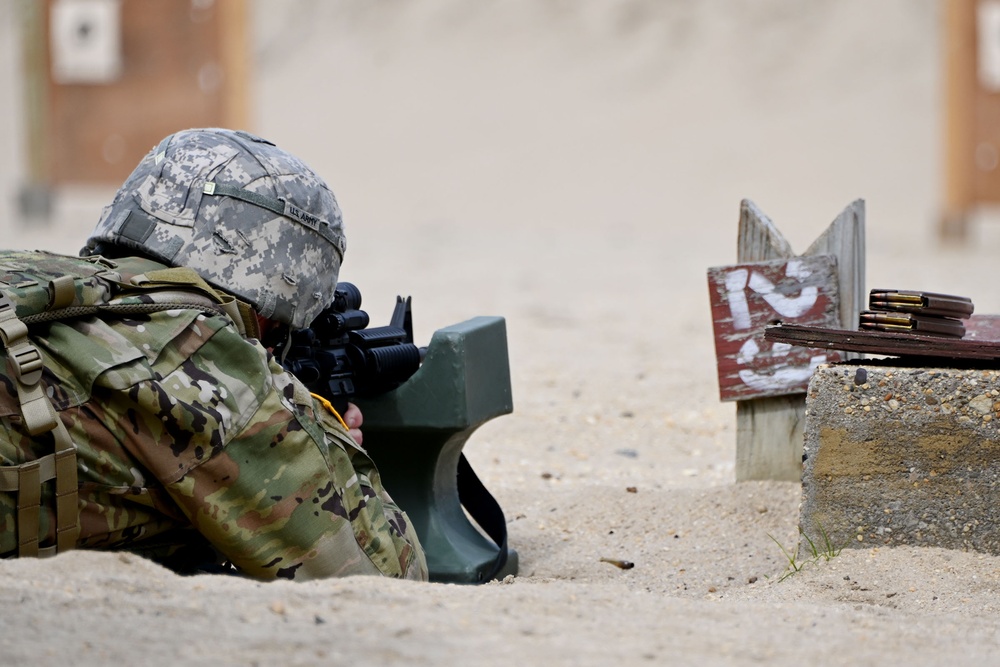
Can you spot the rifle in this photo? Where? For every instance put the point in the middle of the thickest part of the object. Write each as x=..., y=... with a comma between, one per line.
x=338, y=357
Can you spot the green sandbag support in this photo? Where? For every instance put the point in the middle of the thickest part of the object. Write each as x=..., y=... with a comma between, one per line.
x=415, y=435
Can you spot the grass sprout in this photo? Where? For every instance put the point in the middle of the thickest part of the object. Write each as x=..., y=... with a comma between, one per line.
x=822, y=549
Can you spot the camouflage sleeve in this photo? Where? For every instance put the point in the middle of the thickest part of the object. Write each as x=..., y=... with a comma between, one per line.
x=274, y=482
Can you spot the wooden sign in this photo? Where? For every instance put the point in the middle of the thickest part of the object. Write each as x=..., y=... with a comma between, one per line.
x=769, y=430
x=746, y=298
x=970, y=85
x=107, y=80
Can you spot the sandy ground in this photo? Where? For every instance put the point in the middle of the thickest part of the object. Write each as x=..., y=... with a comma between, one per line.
x=575, y=167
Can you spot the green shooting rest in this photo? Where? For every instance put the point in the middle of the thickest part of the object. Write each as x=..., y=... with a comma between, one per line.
x=416, y=433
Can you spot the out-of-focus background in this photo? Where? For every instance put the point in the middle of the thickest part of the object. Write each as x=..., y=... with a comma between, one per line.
x=573, y=166
x=500, y=114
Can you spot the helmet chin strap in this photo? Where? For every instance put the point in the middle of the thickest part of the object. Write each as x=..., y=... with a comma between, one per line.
x=284, y=351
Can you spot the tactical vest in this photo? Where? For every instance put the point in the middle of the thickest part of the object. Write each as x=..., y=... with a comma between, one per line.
x=40, y=287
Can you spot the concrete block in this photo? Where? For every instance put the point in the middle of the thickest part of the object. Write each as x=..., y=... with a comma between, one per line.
x=898, y=455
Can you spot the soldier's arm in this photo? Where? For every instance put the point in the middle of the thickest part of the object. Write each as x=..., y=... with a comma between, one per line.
x=271, y=480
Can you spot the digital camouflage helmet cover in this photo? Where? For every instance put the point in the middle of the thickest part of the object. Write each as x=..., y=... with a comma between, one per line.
x=250, y=218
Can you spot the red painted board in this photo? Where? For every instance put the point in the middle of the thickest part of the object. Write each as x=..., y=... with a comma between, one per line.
x=746, y=298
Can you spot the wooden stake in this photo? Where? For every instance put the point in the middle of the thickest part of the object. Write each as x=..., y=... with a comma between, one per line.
x=769, y=431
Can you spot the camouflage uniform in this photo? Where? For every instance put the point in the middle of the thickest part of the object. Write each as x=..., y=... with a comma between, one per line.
x=188, y=432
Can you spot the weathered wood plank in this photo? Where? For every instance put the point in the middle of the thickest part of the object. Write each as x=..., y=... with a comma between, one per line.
x=845, y=240
x=888, y=342
x=759, y=239
x=769, y=437
x=769, y=430
x=983, y=327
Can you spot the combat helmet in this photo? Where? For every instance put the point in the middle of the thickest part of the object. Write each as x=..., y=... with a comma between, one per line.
x=250, y=218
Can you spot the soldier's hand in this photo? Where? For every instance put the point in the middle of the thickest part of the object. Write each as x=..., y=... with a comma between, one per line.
x=354, y=419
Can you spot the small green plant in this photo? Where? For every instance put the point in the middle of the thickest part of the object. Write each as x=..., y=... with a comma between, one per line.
x=825, y=550
x=794, y=564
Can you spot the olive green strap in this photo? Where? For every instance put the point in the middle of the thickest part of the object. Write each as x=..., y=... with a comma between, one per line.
x=240, y=313
x=67, y=499
x=29, y=500
x=279, y=206
x=62, y=292
x=177, y=275
x=24, y=363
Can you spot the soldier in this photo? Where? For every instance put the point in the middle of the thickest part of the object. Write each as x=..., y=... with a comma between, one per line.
x=193, y=446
